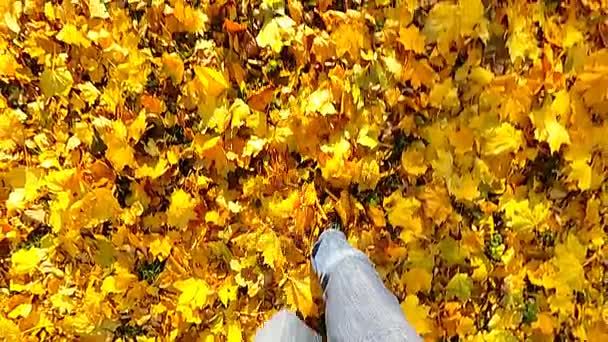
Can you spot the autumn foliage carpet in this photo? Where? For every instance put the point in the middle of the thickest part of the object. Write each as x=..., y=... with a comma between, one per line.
x=166, y=165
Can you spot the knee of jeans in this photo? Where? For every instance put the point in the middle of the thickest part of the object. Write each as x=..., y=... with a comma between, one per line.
x=329, y=240
x=329, y=250
x=284, y=315
x=282, y=318
x=274, y=327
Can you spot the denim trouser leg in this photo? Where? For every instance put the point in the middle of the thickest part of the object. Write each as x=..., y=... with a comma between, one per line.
x=286, y=326
x=358, y=307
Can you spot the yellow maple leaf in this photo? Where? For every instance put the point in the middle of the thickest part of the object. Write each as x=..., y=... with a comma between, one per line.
x=9, y=331
x=561, y=103
x=581, y=173
x=161, y=247
x=218, y=119
x=254, y=146
x=481, y=75
x=368, y=136
x=417, y=314
x=206, y=336
x=524, y=216
x=284, y=208
x=8, y=65
x=376, y=214
x=435, y=202
x=213, y=216
x=234, y=332
x=16, y=200
x=413, y=160
x=240, y=113
x=334, y=169
x=502, y=138
x=448, y=22
x=460, y=286
x=463, y=188
x=323, y=47
x=544, y=323
x=57, y=81
x=443, y=163
x=420, y=73
x=499, y=335
x=417, y=280
x=569, y=258
x=211, y=149
x=270, y=246
x=563, y=301
x=173, y=66
x=88, y=92
x=473, y=19
x=403, y=212
x=22, y=310
x=444, y=96
x=25, y=261
x=320, y=101
x=11, y=12
x=193, y=20
x=155, y=171
x=213, y=81
x=276, y=33
x=466, y=326
x=97, y=9
x=548, y=128
x=228, y=292
x=411, y=39
x=71, y=35
x=119, y=152
x=181, y=209
x=118, y=283
x=298, y=294
x=351, y=37
x=521, y=42
x=95, y=207
x=367, y=174
x=137, y=126
x=572, y=35
x=194, y=292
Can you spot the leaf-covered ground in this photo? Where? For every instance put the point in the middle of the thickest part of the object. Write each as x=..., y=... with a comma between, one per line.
x=166, y=165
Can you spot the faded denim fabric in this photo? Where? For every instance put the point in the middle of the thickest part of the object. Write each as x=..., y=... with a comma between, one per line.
x=358, y=307
x=286, y=326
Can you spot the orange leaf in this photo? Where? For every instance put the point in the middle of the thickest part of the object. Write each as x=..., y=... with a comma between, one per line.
x=152, y=104
x=234, y=27
x=261, y=99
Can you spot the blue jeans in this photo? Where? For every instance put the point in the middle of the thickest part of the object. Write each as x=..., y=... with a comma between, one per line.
x=358, y=307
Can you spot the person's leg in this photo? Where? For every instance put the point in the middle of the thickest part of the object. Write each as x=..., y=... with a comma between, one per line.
x=286, y=326
x=358, y=307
